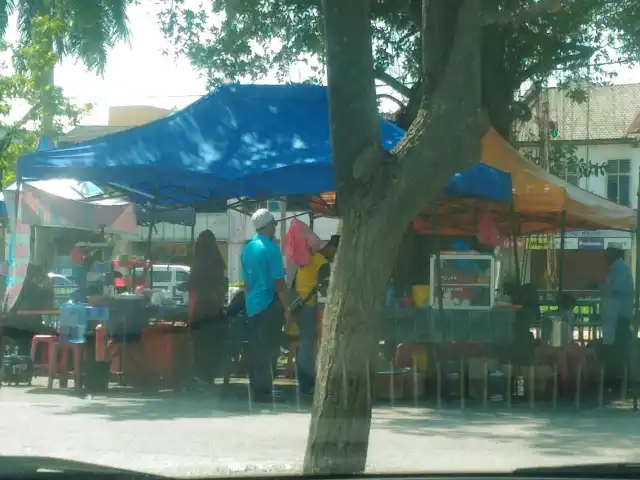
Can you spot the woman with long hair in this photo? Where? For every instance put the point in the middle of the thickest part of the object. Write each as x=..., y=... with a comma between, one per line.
x=207, y=287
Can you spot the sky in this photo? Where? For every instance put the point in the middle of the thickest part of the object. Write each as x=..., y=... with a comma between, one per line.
x=139, y=74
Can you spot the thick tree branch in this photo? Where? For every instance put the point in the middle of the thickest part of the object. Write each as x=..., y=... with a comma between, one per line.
x=531, y=94
x=544, y=67
x=353, y=112
x=392, y=98
x=446, y=135
x=394, y=83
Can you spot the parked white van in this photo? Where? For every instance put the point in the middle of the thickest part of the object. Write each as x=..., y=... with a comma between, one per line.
x=168, y=277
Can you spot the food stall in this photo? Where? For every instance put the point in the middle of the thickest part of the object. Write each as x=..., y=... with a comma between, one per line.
x=297, y=115
x=164, y=165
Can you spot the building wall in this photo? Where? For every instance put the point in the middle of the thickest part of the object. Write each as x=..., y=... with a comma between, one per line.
x=583, y=256
x=218, y=223
x=603, y=154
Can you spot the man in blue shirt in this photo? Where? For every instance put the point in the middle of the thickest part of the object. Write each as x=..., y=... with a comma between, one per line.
x=616, y=311
x=267, y=303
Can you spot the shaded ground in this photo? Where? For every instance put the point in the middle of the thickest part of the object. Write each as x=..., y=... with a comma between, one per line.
x=191, y=434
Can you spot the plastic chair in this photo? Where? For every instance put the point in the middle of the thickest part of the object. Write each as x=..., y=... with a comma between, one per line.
x=60, y=369
x=73, y=325
x=41, y=362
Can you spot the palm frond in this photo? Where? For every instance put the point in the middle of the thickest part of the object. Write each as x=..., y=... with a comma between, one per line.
x=6, y=9
x=93, y=26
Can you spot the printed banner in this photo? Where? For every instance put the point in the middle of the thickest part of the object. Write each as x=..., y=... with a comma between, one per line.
x=42, y=209
x=537, y=242
x=591, y=243
x=19, y=251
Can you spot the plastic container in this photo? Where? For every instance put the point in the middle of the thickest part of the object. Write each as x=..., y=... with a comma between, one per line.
x=73, y=322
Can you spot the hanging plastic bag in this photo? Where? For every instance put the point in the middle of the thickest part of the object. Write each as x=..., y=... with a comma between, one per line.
x=301, y=242
x=487, y=231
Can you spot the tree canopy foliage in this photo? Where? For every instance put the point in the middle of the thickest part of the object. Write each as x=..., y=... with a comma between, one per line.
x=49, y=31
x=25, y=100
x=246, y=39
x=91, y=28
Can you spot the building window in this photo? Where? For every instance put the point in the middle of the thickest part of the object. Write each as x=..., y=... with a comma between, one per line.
x=570, y=175
x=619, y=181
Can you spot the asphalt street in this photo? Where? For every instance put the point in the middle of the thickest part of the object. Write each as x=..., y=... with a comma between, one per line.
x=188, y=435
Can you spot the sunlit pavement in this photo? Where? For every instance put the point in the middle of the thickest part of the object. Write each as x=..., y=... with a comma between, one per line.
x=191, y=435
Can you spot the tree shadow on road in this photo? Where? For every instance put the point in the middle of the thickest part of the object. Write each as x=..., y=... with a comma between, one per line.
x=562, y=432
x=122, y=404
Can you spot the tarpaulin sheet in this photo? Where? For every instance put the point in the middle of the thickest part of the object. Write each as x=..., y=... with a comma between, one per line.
x=42, y=209
x=65, y=188
x=74, y=190
x=540, y=197
x=240, y=140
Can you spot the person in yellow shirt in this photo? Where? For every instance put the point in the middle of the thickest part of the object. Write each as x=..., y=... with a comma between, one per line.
x=306, y=282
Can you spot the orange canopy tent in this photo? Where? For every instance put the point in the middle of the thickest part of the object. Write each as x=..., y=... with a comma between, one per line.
x=540, y=199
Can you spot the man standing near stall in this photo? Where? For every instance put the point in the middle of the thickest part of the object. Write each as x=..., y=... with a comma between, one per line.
x=310, y=279
x=616, y=310
x=267, y=303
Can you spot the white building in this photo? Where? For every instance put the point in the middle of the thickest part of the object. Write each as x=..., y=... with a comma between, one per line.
x=605, y=130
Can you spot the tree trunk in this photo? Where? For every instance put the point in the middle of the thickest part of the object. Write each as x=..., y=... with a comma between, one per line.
x=339, y=433
x=379, y=194
x=48, y=104
x=498, y=83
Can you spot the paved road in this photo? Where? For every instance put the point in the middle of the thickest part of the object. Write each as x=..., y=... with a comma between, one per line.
x=189, y=436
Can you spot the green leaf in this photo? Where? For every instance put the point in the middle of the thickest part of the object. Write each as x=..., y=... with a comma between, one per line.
x=244, y=40
x=27, y=83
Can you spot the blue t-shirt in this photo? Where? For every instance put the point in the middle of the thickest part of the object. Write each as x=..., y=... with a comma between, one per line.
x=261, y=267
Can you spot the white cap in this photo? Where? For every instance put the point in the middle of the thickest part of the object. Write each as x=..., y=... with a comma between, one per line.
x=262, y=218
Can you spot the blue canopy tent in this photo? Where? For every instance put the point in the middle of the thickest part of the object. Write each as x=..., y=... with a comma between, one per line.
x=258, y=141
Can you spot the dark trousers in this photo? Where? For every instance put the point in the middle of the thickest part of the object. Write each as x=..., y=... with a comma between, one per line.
x=209, y=346
x=305, y=357
x=616, y=355
x=265, y=337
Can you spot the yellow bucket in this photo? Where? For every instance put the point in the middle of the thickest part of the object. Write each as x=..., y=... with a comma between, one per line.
x=420, y=294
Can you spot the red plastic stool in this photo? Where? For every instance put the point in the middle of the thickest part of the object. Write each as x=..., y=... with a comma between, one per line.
x=41, y=362
x=60, y=369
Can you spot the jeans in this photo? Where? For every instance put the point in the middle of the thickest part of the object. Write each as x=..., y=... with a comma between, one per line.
x=305, y=357
x=265, y=338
